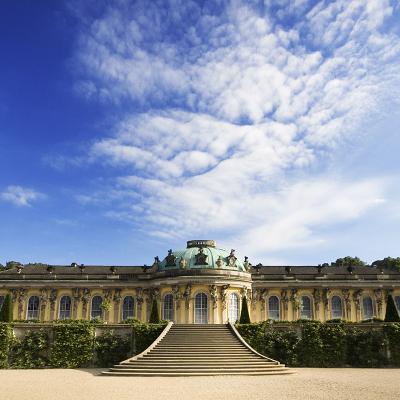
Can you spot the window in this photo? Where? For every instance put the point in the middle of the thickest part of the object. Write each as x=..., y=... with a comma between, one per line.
x=200, y=309
x=168, y=307
x=273, y=308
x=128, y=309
x=33, y=308
x=233, y=313
x=1, y=301
x=397, y=302
x=336, y=307
x=96, y=311
x=305, y=308
x=368, y=309
x=65, y=307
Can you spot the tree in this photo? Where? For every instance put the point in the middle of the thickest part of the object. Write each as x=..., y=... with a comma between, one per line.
x=244, y=314
x=6, y=312
x=154, y=315
x=348, y=262
x=388, y=263
x=392, y=314
x=12, y=264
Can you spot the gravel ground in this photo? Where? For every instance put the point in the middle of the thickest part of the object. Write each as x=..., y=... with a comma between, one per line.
x=307, y=383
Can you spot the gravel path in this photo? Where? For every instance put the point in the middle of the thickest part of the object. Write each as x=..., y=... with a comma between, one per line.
x=307, y=383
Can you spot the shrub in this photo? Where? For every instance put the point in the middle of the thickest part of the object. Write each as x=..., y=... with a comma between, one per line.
x=5, y=340
x=73, y=344
x=244, y=314
x=391, y=314
x=154, y=315
x=143, y=335
x=6, y=312
x=111, y=349
x=30, y=351
x=393, y=336
x=366, y=348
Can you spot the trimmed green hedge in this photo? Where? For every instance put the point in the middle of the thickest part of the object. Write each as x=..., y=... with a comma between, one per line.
x=316, y=344
x=73, y=344
x=5, y=341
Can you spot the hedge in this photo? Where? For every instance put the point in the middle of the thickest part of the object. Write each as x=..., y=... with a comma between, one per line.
x=73, y=345
x=316, y=344
x=5, y=341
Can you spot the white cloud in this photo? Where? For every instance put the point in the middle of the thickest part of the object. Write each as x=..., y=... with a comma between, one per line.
x=236, y=111
x=20, y=196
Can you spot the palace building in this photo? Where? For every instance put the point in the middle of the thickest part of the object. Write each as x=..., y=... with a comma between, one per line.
x=200, y=284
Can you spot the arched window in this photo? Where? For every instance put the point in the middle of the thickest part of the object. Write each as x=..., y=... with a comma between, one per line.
x=65, y=307
x=273, y=308
x=397, y=302
x=201, y=309
x=168, y=307
x=1, y=301
x=128, y=309
x=96, y=311
x=368, y=308
x=337, y=311
x=33, y=308
x=305, y=308
x=233, y=309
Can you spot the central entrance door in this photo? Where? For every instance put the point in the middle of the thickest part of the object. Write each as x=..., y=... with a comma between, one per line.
x=200, y=309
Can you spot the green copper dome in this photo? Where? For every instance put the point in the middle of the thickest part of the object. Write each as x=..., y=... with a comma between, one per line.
x=202, y=254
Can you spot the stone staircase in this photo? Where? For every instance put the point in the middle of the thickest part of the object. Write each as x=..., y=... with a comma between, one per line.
x=195, y=350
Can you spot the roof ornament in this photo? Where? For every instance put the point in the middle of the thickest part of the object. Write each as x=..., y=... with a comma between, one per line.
x=182, y=263
x=113, y=270
x=170, y=259
x=82, y=268
x=201, y=258
x=220, y=262
x=288, y=270
x=232, y=259
x=257, y=267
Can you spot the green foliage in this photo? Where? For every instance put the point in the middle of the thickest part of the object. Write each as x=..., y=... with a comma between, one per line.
x=73, y=344
x=391, y=314
x=154, y=315
x=5, y=341
x=348, y=262
x=388, y=263
x=30, y=351
x=12, y=264
x=366, y=348
x=112, y=349
x=324, y=344
x=244, y=313
x=393, y=337
x=6, y=312
x=143, y=335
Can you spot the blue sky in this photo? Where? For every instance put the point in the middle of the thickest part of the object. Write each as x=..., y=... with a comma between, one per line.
x=127, y=128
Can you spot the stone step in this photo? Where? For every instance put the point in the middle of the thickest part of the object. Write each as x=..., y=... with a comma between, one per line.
x=199, y=350
x=193, y=365
x=282, y=371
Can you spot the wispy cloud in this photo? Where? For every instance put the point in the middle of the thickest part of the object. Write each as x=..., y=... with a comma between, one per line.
x=20, y=196
x=235, y=106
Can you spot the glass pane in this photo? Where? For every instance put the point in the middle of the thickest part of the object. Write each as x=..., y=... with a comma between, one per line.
x=33, y=308
x=305, y=308
x=368, y=310
x=337, y=307
x=1, y=301
x=168, y=310
x=128, y=308
x=65, y=307
x=273, y=308
x=233, y=315
x=397, y=302
x=201, y=311
x=96, y=307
